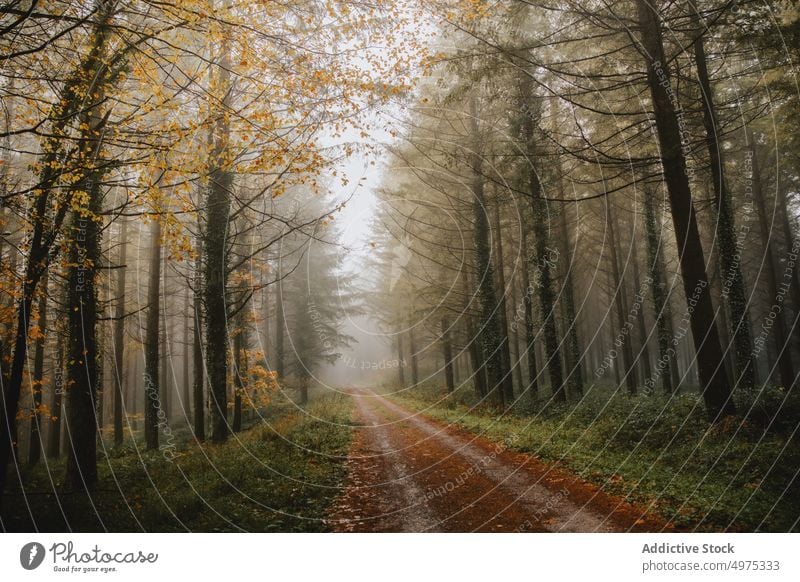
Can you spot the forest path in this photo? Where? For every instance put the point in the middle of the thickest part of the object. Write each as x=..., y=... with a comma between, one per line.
x=408, y=473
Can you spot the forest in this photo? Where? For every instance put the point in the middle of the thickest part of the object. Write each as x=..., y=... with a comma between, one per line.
x=445, y=265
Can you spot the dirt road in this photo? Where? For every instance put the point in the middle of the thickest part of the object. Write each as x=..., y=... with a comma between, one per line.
x=408, y=473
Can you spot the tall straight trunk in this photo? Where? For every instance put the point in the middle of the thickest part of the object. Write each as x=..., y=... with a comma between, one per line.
x=792, y=248
x=412, y=348
x=505, y=345
x=718, y=292
x=644, y=351
x=401, y=360
x=86, y=79
x=473, y=337
x=542, y=261
x=35, y=441
x=530, y=334
x=186, y=382
x=615, y=363
x=575, y=374
x=490, y=333
x=280, y=325
x=3, y=228
x=238, y=377
x=729, y=250
x=54, y=436
x=119, y=333
x=216, y=252
x=775, y=281
x=266, y=310
x=101, y=371
x=476, y=360
x=621, y=304
x=152, y=399
x=82, y=358
x=791, y=243
x=516, y=351
x=304, y=390
x=165, y=358
x=447, y=353
x=668, y=365
x=199, y=424
x=710, y=359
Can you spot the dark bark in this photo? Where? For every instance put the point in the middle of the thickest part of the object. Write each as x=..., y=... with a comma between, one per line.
x=542, y=259
x=644, y=351
x=620, y=298
x=530, y=334
x=401, y=361
x=668, y=366
x=217, y=262
x=54, y=436
x=186, y=383
x=447, y=353
x=505, y=342
x=35, y=440
x=280, y=326
x=710, y=358
x=88, y=78
x=776, y=281
x=238, y=378
x=412, y=348
x=152, y=398
x=575, y=373
x=732, y=280
x=199, y=424
x=82, y=353
x=119, y=334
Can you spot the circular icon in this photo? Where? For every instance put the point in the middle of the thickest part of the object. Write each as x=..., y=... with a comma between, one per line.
x=31, y=555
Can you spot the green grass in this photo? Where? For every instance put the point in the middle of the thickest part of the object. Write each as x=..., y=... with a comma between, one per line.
x=740, y=475
x=279, y=475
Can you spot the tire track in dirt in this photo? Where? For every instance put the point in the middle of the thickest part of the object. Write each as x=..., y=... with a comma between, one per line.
x=408, y=473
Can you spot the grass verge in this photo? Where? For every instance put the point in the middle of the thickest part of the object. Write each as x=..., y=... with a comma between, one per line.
x=739, y=475
x=280, y=475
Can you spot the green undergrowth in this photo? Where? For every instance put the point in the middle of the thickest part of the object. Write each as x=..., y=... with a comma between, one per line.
x=281, y=474
x=661, y=451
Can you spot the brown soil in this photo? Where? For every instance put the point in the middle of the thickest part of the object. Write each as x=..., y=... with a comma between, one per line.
x=408, y=473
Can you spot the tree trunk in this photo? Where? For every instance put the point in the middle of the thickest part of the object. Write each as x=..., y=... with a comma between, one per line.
x=542, y=259
x=401, y=360
x=35, y=441
x=82, y=358
x=710, y=359
x=530, y=335
x=447, y=353
x=412, y=347
x=199, y=424
x=153, y=412
x=186, y=392
x=505, y=345
x=574, y=373
x=238, y=377
x=667, y=357
x=87, y=78
x=621, y=303
x=776, y=283
x=280, y=326
x=216, y=263
x=732, y=279
x=644, y=352
x=119, y=334
x=54, y=436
